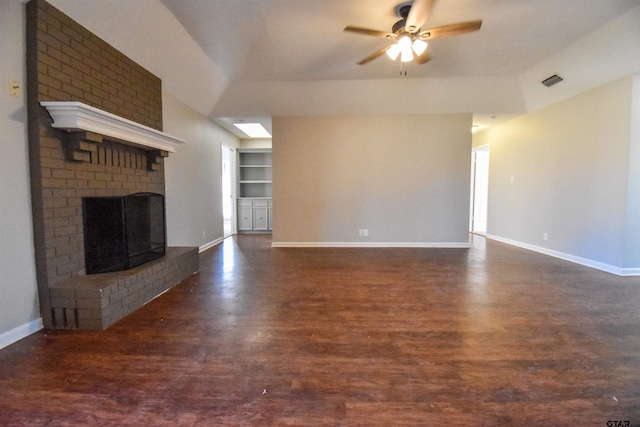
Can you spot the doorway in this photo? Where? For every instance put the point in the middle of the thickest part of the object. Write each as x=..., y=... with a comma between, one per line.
x=480, y=190
x=228, y=211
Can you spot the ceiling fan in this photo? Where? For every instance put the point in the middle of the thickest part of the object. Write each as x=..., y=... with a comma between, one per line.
x=410, y=35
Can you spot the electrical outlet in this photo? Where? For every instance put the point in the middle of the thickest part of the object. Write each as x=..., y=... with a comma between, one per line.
x=204, y=234
x=545, y=236
x=365, y=232
x=361, y=232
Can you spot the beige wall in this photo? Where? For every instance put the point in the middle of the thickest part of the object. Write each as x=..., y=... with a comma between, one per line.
x=255, y=143
x=404, y=178
x=193, y=176
x=570, y=169
x=19, y=311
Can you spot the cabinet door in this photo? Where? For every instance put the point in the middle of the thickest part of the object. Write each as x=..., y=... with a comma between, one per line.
x=261, y=221
x=245, y=218
x=270, y=218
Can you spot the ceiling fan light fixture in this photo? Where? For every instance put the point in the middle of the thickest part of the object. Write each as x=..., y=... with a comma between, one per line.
x=393, y=52
x=419, y=46
x=406, y=54
x=404, y=43
x=408, y=31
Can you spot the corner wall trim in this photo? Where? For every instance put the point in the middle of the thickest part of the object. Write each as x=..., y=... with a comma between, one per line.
x=210, y=244
x=459, y=245
x=20, y=332
x=608, y=268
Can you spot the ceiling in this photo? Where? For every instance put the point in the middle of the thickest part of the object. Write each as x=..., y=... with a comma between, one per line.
x=256, y=59
x=303, y=40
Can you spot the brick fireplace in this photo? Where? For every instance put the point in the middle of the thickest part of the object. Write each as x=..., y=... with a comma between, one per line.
x=66, y=62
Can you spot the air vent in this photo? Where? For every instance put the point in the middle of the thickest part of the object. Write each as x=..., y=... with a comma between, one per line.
x=550, y=81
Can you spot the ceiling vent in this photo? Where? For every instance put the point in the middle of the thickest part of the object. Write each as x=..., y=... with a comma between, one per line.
x=550, y=81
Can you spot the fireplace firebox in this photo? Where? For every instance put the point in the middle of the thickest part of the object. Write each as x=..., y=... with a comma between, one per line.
x=123, y=232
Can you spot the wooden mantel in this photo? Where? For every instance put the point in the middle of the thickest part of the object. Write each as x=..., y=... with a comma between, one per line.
x=79, y=117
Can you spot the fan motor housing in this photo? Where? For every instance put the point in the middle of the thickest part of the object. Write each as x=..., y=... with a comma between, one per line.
x=399, y=26
x=402, y=10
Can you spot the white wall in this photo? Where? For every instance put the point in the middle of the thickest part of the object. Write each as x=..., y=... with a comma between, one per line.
x=570, y=168
x=632, y=232
x=193, y=176
x=404, y=178
x=19, y=311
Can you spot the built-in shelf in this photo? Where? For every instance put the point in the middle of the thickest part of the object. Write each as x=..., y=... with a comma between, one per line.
x=255, y=173
x=255, y=208
x=76, y=117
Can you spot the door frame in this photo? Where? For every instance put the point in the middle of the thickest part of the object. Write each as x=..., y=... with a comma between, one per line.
x=474, y=187
x=232, y=187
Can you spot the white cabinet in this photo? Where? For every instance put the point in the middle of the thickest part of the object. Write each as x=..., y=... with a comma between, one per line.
x=261, y=219
x=245, y=218
x=254, y=215
x=255, y=209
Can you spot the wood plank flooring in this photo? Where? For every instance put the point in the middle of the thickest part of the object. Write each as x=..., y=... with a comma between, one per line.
x=488, y=336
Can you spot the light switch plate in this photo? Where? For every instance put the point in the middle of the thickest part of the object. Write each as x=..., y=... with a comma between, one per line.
x=14, y=88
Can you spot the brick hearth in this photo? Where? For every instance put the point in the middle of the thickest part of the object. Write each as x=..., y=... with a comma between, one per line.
x=99, y=300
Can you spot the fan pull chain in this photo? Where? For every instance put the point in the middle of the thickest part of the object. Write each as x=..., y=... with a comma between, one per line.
x=403, y=72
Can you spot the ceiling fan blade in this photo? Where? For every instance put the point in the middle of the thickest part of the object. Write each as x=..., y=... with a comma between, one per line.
x=374, y=55
x=422, y=59
x=450, y=30
x=369, y=32
x=418, y=15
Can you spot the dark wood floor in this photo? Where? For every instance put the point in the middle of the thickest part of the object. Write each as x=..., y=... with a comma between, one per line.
x=493, y=335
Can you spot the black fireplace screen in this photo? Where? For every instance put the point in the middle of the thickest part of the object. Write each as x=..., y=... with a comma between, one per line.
x=123, y=232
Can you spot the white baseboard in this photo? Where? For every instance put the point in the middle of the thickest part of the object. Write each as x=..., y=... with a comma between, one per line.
x=210, y=244
x=618, y=271
x=464, y=245
x=20, y=332
x=630, y=272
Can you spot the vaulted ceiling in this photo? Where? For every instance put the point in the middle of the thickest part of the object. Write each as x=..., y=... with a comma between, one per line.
x=303, y=40
x=262, y=58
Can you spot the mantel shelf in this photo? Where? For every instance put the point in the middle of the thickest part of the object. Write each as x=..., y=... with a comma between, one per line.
x=77, y=116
